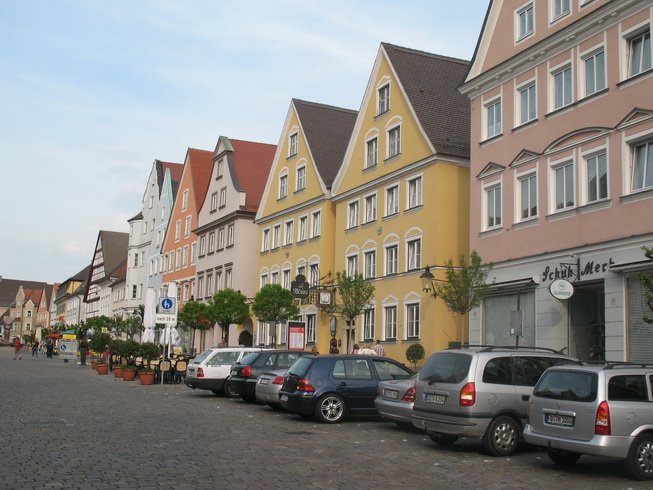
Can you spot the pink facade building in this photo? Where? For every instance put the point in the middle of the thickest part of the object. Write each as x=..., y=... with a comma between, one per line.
x=562, y=174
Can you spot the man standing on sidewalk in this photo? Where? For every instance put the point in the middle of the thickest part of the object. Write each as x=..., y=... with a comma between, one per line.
x=17, y=346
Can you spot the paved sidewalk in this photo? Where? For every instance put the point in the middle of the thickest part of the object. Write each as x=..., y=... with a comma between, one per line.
x=64, y=426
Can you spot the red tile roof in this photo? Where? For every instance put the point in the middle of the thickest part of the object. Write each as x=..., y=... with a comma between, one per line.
x=201, y=166
x=252, y=163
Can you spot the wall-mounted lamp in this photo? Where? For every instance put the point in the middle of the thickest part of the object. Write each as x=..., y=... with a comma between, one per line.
x=427, y=278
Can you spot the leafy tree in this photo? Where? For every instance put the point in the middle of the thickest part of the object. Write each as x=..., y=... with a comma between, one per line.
x=228, y=307
x=274, y=304
x=195, y=315
x=647, y=282
x=100, y=341
x=355, y=294
x=415, y=353
x=464, y=286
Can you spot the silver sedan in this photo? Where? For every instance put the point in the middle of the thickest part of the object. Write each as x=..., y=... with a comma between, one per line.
x=268, y=386
x=394, y=400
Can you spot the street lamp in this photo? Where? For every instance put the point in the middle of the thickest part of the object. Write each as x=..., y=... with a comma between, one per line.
x=428, y=279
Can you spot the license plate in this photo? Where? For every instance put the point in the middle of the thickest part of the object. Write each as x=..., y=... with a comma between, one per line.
x=264, y=381
x=433, y=398
x=234, y=372
x=283, y=398
x=561, y=420
x=392, y=394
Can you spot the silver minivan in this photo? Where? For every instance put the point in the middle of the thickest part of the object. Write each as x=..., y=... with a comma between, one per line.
x=480, y=392
x=601, y=410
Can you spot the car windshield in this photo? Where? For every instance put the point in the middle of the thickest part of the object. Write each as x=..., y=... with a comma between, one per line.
x=249, y=358
x=567, y=385
x=301, y=366
x=447, y=367
x=202, y=356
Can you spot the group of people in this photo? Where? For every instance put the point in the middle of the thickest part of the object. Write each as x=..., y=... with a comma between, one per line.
x=367, y=349
x=18, y=345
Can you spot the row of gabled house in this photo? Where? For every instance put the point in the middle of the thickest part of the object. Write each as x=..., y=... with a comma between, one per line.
x=538, y=154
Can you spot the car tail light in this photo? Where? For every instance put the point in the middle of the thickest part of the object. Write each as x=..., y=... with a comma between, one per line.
x=468, y=395
x=304, y=385
x=278, y=380
x=200, y=372
x=246, y=372
x=409, y=396
x=602, y=425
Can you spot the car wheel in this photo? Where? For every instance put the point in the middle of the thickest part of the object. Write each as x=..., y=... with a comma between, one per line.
x=562, y=458
x=639, y=462
x=330, y=409
x=444, y=440
x=229, y=392
x=502, y=436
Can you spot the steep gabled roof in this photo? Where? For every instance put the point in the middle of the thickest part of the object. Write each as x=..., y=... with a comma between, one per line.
x=9, y=288
x=430, y=82
x=176, y=170
x=120, y=272
x=136, y=217
x=327, y=130
x=252, y=162
x=201, y=165
x=34, y=295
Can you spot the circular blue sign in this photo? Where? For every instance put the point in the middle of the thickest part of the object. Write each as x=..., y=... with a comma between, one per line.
x=166, y=303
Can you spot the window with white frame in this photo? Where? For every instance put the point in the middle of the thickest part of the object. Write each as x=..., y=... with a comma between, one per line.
x=188, y=225
x=223, y=197
x=214, y=201
x=414, y=185
x=384, y=99
x=285, y=278
x=184, y=256
x=193, y=252
x=394, y=141
x=265, y=240
x=370, y=208
x=352, y=265
x=283, y=186
x=391, y=259
x=528, y=196
x=493, y=118
x=202, y=245
x=293, y=144
x=301, y=270
x=562, y=87
x=493, y=206
x=414, y=251
x=392, y=200
x=316, y=217
x=302, y=232
x=136, y=259
x=288, y=234
x=597, y=177
x=228, y=278
x=563, y=176
x=178, y=230
x=220, y=170
x=639, y=52
x=276, y=236
x=560, y=8
x=144, y=227
x=370, y=264
x=211, y=248
x=314, y=274
x=274, y=278
x=352, y=214
x=412, y=320
x=368, y=324
x=371, y=153
x=264, y=280
x=184, y=200
x=178, y=258
x=301, y=178
x=230, y=235
x=525, y=21
x=527, y=103
x=209, y=285
x=220, y=238
x=263, y=333
x=200, y=287
x=311, y=326
x=219, y=282
x=594, y=72
x=390, y=322
x=642, y=167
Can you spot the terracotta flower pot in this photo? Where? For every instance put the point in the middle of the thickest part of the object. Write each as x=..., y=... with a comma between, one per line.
x=128, y=374
x=102, y=368
x=147, y=378
x=117, y=371
x=94, y=363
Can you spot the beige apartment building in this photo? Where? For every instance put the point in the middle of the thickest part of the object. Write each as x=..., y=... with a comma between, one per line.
x=561, y=186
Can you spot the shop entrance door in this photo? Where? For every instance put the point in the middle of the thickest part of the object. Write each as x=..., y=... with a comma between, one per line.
x=587, y=322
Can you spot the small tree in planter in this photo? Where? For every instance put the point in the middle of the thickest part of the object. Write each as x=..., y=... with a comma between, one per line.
x=148, y=351
x=414, y=354
x=100, y=343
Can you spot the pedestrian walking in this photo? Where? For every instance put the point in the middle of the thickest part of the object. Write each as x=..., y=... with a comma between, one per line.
x=17, y=347
x=378, y=348
x=35, y=349
x=356, y=349
x=49, y=347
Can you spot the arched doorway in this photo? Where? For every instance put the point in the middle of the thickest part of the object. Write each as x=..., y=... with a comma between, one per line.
x=245, y=338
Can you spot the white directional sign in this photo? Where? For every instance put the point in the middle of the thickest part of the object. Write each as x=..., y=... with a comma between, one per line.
x=167, y=311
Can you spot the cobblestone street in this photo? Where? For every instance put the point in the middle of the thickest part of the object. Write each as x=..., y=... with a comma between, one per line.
x=64, y=426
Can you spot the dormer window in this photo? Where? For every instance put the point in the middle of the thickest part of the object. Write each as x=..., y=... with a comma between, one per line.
x=384, y=99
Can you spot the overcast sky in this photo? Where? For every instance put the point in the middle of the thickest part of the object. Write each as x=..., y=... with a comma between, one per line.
x=92, y=92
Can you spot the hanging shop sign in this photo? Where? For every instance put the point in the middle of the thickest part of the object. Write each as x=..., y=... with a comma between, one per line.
x=561, y=289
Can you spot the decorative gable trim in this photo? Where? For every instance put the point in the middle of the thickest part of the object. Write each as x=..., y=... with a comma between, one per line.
x=490, y=169
x=524, y=156
x=575, y=138
x=634, y=117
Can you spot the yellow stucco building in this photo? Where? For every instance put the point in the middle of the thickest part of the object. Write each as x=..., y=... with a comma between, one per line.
x=402, y=198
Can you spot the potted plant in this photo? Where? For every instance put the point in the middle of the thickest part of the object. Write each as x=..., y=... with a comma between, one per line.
x=148, y=351
x=129, y=372
x=102, y=366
